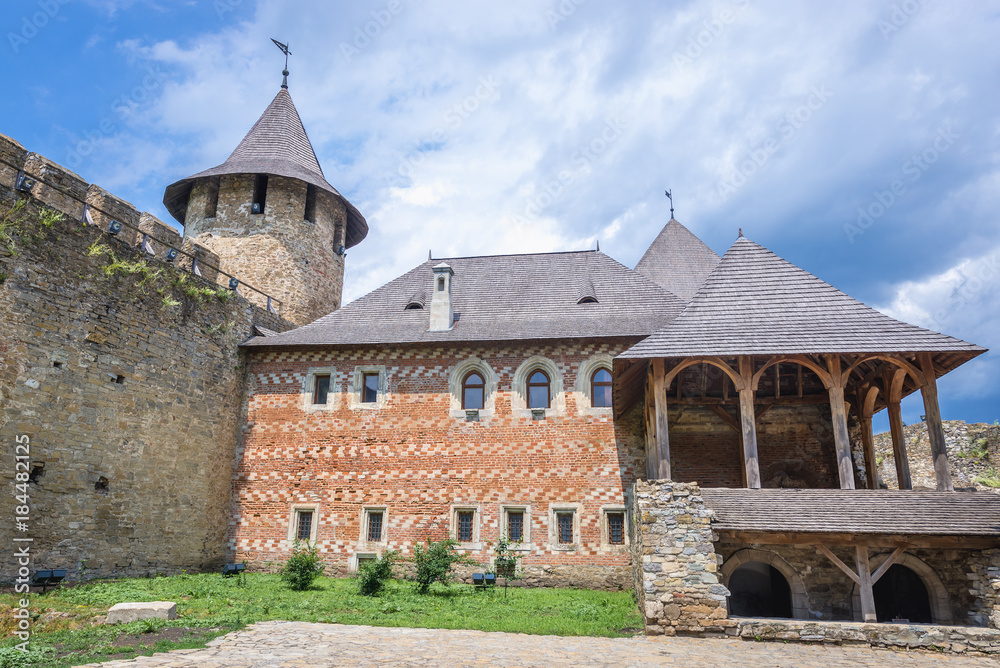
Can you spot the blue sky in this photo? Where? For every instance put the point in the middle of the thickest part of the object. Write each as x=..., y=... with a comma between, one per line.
x=859, y=140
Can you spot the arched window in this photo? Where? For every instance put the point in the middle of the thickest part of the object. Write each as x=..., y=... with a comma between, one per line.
x=538, y=390
x=473, y=392
x=600, y=389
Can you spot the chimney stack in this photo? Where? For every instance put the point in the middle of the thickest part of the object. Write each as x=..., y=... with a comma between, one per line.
x=442, y=311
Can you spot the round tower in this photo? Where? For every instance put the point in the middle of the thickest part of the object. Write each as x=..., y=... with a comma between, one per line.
x=272, y=218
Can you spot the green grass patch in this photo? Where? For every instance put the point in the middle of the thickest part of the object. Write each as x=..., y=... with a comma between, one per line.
x=209, y=605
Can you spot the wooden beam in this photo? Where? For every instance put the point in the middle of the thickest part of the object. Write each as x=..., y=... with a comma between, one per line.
x=838, y=413
x=651, y=463
x=725, y=416
x=758, y=400
x=868, y=443
x=891, y=541
x=935, y=430
x=799, y=367
x=899, y=446
x=662, y=427
x=865, y=584
x=748, y=425
x=887, y=564
x=838, y=563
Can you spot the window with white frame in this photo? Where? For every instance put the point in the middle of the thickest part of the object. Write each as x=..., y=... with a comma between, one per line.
x=614, y=527
x=465, y=526
x=374, y=525
x=370, y=387
x=516, y=526
x=564, y=526
x=303, y=523
x=319, y=392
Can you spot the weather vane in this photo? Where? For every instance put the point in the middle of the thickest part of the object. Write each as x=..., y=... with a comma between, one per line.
x=284, y=72
x=671, y=198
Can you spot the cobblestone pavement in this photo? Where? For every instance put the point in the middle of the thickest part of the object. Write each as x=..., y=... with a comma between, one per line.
x=281, y=644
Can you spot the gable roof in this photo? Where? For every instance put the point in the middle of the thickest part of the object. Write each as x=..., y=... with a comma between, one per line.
x=756, y=303
x=500, y=297
x=677, y=260
x=277, y=144
x=855, y=511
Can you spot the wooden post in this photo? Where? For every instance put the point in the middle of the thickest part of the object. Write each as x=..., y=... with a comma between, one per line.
x=748, y=422
x=662, y=431
x=651, y=463
x=838, y=413
x=868, y=442
x=899, y=446
x=865, y=584
x=935, y=431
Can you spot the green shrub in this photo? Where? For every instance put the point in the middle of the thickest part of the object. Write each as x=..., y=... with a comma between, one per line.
x=435, y=561
x=505, y=563
x=302, y=567
x=373, y=575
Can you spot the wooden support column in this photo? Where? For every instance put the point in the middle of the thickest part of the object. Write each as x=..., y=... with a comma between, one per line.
x=748, y=422
x=935, y=431
x=650, y=408
x=838, y=413
x=868, y=442
x=865, y=584
x=662, y=427
x=899, y=446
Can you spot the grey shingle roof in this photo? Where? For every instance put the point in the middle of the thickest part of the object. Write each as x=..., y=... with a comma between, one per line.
x=855, y=511
x=678, y=260
x=754, y=302
x=277, y=144
x=500, y=297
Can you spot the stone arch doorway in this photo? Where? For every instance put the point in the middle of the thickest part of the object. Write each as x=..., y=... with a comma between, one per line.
x=937, y=594
x=901, y=594
x=762, y=584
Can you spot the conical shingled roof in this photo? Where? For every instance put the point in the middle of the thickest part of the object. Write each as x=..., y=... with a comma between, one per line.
x=755, y=303
x=277, y=144
x=678, y=260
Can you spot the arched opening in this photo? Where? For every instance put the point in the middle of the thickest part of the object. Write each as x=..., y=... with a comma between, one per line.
x=901, y=594
x=927, y=586
x=759, y=590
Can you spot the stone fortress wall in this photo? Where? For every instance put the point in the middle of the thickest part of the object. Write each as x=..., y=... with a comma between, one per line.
x=124, y=372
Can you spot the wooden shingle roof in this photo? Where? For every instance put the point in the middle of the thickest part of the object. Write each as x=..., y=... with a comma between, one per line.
x=500, y=297
x=678, y=260
x=755, y=303
x=855, y=511
x=277, y=144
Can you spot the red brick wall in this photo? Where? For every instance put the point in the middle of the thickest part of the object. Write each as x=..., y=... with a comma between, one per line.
x=416, y=459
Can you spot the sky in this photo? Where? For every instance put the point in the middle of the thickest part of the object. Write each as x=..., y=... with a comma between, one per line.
x=859, y=140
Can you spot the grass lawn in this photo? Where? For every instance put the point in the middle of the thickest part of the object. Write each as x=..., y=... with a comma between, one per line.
x=208, y=605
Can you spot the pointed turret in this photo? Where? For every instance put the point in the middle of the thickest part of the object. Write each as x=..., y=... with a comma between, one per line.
x=272, y=217
x=677, y=260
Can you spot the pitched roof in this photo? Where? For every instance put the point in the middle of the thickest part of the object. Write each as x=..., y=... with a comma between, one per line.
x=859, y=511
x=678, y=260
x=276, y=144
x=500, y=297
x=756, y=303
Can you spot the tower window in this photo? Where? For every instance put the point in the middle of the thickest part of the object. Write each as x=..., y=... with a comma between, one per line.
x=211, y=196
x=538, y=390
x=600, y=389
x=310, y=203
x=259, y=193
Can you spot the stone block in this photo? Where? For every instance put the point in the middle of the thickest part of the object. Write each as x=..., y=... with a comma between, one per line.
x=68, y=191
x=10, y=152
x=123, y=613
x=163, y=237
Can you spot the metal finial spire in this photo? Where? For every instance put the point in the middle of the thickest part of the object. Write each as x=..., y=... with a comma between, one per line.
x=671, y=198
x=284, y=72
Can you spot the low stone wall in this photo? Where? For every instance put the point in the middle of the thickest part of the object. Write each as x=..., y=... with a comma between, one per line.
x=958, y=639
x=984, y=585
x=674, y=562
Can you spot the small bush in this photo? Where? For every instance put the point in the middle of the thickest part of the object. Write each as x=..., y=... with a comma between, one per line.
x=505, y=563
x=373, y=575
x=302, y=567
x=435, y=561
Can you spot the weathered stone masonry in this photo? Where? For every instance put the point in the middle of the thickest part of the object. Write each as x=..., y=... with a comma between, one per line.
x=131, y=402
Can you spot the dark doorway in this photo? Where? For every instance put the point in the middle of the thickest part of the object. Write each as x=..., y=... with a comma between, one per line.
x=759, y=590
x=901, y=594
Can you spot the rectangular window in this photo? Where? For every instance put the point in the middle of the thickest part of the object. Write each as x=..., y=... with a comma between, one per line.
x=616, y=528
x=366, y=559
x=374, y=526
x=564, y=521
x=304, y=529
x=465, y=520
x=515, y=525
x=259, y=193
x=322, y=389
x=369, y=389
x=310, y=214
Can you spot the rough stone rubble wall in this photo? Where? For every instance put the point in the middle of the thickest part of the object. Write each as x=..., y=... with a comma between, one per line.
x=674, y=561
x=131, y=402
x=984, y=585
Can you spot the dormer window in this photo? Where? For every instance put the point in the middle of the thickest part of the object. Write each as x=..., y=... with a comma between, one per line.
x=587, y=300
x=412, y=306
x=441, y=284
